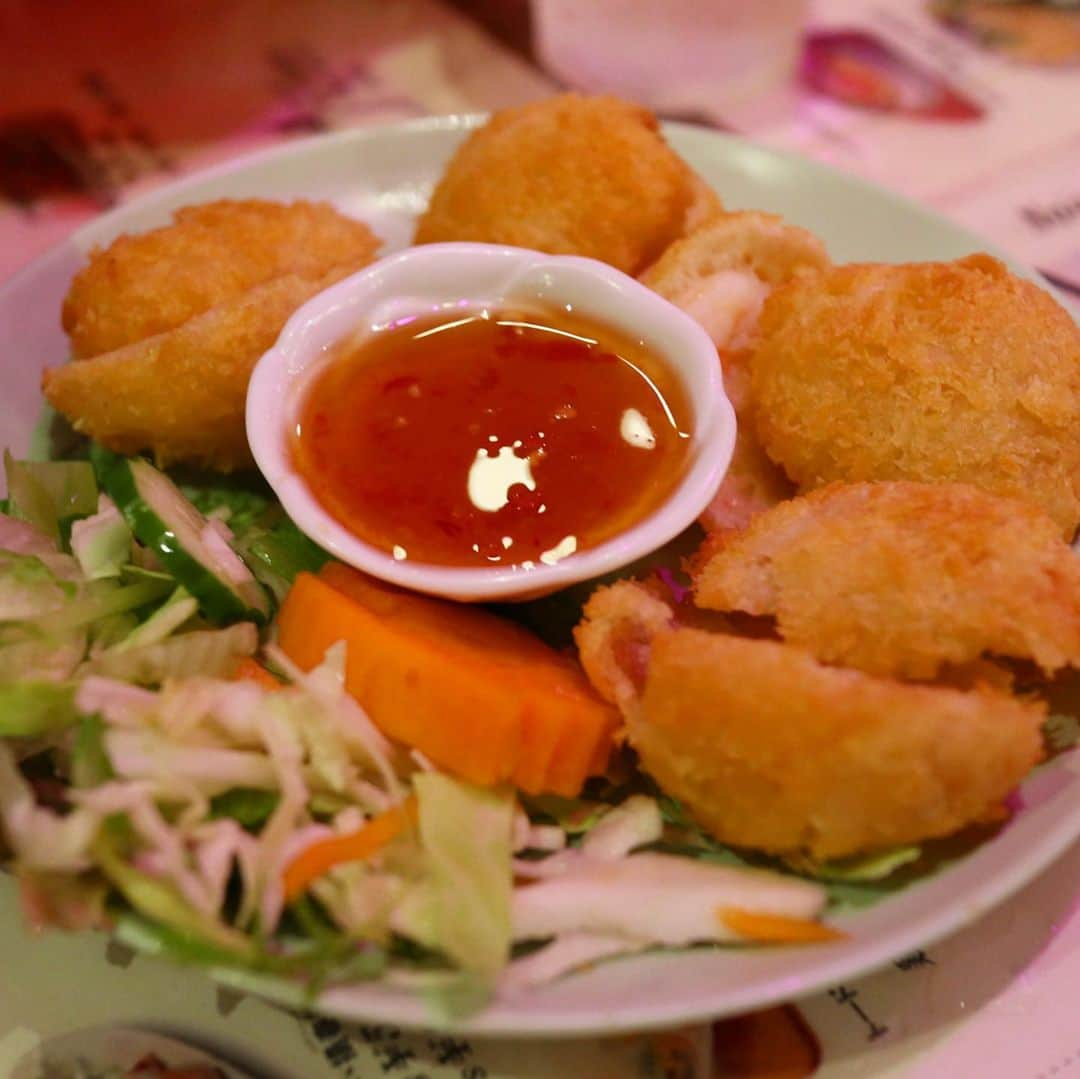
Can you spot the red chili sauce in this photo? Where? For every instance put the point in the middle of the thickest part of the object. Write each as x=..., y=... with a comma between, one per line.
x=493, y=438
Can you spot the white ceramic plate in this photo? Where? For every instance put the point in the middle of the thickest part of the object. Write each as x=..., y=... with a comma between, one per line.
x=384, y=175
x=105, y=1051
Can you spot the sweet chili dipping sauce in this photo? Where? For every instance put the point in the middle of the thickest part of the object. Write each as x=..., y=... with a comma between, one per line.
x=491, y=438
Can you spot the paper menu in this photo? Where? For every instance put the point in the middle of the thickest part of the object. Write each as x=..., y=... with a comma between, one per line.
x=1034, y=210
x=893, y=94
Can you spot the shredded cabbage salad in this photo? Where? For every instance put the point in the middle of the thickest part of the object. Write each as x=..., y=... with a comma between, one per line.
x=239, y=822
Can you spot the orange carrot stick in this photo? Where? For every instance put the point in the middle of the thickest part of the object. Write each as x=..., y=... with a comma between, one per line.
x=478, y=695
x=776, y=928
x=251, y=670
x=315, y=860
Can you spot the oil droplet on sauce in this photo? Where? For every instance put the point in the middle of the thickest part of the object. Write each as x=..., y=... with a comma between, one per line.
x=500, y=438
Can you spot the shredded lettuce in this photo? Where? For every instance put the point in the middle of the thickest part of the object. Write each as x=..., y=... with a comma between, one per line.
x=566, y=953
x=27, y=654
x=575, y=816
x=102, y=544
x=32, y=709
x=46, y=494
x=90, y=764
x=250, y=807
x=111, y=630
x=170, y=616
x=22, y=538
x=630, y=824
x=100, y=599
x=33, y=585
x=659, y=898
x=41, y=839
x=462, y=908
x=869, y=867
x=161, y=902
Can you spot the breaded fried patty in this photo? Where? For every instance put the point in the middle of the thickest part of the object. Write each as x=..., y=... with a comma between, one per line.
x=570, y=175
x=956, y=371
x=614, y=636
x=769, y=749
x=721, y=272
x=902, y=578
x=754, y=482
x=147, y=284
x=181, y=394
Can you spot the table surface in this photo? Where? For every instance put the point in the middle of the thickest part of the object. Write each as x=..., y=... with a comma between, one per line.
x=103, y=101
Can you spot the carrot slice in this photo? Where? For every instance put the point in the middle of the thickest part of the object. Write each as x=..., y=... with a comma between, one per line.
x=478, y=695
x=367, y=840
x=251, y=670
x=776, y=928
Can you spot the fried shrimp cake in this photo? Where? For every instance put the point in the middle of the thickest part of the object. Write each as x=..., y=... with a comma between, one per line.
x=144, y=285
x=754, y=482
x=930, y=371
x=721, y=273
x=903, y=578
x=769, y=749
x=614, y=636
x=181, y=394
x=570, y=175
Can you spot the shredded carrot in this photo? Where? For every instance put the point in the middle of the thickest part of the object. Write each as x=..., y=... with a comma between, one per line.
x=251, y=670
x=776, y=927
x=353, y=847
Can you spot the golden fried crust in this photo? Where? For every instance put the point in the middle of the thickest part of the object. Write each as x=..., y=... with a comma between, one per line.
x=181, y=394
x=770, y=750
x=929, y=371
x=569, y=175
x=618, y=623
x=902, y=578
x=759, y=243
x=147, y=284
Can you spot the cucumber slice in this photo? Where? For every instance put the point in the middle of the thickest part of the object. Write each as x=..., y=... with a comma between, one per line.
x=189, y=547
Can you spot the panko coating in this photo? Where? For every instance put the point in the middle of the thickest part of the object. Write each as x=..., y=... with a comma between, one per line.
x=181, y=394
x=569, y=175
x=903, y=578
x=769, y=749
x=722, y=271
x=144, y=285
x=955, y=371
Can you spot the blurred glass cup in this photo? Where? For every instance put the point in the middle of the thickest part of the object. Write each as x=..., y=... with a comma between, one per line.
x=721, y=59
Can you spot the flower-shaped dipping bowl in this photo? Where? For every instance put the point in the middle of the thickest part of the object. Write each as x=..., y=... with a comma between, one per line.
x=452, y=280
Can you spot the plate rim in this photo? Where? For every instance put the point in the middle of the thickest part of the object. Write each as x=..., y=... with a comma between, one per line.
x=467, y=122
